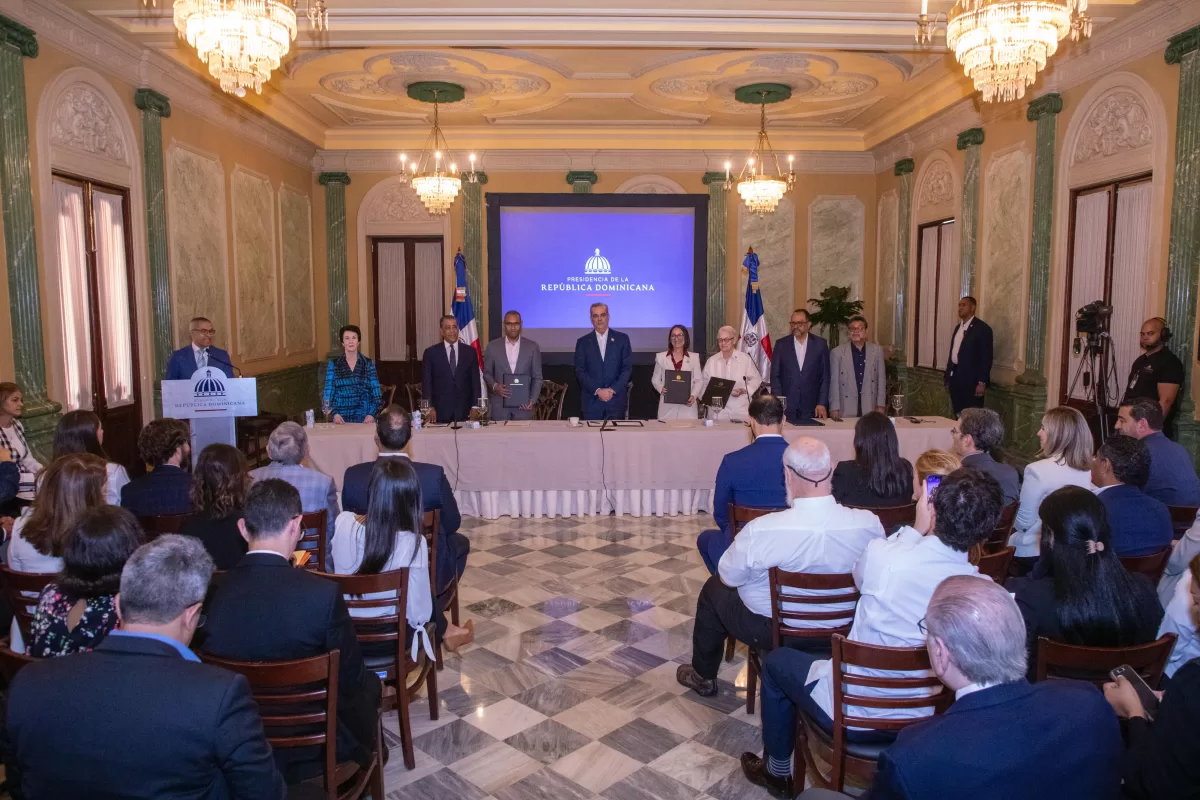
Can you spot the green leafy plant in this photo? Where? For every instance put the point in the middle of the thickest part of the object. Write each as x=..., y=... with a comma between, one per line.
x=834, y=310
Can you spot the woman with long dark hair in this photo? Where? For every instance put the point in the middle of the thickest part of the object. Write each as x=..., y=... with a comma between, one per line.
x=80, y=431
x=218, y=495
x=877, y=477
x=12, y=435
x=1088, y=598
x=677, y=357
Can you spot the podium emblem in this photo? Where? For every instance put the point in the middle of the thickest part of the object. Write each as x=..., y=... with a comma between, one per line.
x=208, y=386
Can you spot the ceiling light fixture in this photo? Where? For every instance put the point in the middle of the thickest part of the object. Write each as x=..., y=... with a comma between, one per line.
x=434, y=173
x=760, y=188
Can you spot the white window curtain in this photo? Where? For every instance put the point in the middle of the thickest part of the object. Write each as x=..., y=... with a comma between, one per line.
x=1087, y=269
x=927, y=302
x=72, y=284
x=1131, y=250
x=949, y=291
x=393, y=340
x=112, y=283
x=430, y=301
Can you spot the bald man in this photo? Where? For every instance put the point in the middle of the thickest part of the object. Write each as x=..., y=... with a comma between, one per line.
x=1157, y=373
x=731, y=364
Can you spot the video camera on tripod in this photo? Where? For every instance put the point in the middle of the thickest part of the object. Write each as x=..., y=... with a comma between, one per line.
x=1096, y=369
x=1092, y=322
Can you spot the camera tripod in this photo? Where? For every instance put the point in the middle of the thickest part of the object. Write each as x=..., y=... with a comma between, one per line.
x=1098, y=373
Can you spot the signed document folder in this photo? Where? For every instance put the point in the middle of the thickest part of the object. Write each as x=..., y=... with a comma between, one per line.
x=679, y=386
x=518, y=387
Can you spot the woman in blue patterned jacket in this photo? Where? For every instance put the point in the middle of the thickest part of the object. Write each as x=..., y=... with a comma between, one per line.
x=352, y=391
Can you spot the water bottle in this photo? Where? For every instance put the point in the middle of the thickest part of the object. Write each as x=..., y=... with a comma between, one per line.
x=309, y=419
x=416, y=420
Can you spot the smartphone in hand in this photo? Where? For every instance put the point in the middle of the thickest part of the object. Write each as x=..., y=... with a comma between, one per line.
x=932, y=482
x=1145, y=694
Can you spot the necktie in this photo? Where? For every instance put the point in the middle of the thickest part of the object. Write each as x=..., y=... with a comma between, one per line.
x=202, y=358
x=453, y=358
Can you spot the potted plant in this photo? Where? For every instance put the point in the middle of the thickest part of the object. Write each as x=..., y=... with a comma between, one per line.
x=834, y=310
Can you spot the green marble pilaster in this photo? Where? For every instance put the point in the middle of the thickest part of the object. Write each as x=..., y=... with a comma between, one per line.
x=1183, y=258
x=472, y=243
x=20, y=248
x=1044, y=111
x=335, y=184
x=154, y=108
x=582, y=181
x=968, y=232
x=715, y=307
x=904, y=171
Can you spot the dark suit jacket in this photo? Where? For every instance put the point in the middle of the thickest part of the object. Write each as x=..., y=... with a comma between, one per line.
x=974, y=356
x=1005, y=474
x=164, y=490
x=752, y=476
x=220, y=536
x=435, y=494
x=182, y=363
x=1172, y=475
x=850, y=487
x=1139, y=525
x=10, y=480
x=134, y=719
x=1162, y=759
x=804, y=390
x=1058, y=739
x=612, y=372
x=452, y=394
x=264, y=610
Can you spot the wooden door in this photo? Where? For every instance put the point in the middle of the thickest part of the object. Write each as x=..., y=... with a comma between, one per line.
x=409, y=298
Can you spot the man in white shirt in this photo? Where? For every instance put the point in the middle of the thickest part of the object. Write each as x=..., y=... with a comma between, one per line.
x=896, y=577
x=815, y=535
x=731, y=364
x=969, y=369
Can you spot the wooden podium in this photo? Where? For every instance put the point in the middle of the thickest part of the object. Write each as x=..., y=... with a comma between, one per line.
x=213, y=402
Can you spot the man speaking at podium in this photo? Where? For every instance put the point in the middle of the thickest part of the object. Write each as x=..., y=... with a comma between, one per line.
x=200, y=353
x=603, y=365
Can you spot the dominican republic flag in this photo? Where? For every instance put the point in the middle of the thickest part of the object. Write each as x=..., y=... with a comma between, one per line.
x=755, y=339
x=464, y=313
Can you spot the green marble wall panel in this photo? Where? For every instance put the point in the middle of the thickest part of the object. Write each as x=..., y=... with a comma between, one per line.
x=968, y=229
x=254, y=265
x=291, y=391
x=887, y=220
x=1006, y=209
x=1044, y=111
x=836, y=229
x=472, y=244
x=198, y=235
x=717, y=258
x=154, y=107
x=904, y=171
x=295, y=226
x=335, y=184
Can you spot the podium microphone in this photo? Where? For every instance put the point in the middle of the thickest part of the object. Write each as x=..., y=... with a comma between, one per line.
x=214, y=357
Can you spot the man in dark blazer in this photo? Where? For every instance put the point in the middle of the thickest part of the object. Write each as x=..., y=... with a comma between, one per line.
x=800, y=371
x=752, y=476
x=979, y=433
x=140, y=716
x=603, y=365
x=969, y=366
x=266, y=610
x=1139, y=525
x=452, y=382
x=200, y=353
x=393, y=429
x=164, y=444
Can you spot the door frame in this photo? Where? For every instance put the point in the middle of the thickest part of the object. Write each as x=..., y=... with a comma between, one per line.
x=410, y=370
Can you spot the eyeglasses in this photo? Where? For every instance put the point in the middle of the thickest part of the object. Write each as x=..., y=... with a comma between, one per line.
x=922, y=627
x=205, y=331
x=725, y=340
x=954, y=431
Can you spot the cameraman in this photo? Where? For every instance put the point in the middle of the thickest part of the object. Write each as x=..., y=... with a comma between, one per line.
x=1157, y=374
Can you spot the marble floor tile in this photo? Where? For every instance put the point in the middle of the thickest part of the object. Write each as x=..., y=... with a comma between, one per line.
x=642, y=740
x=460, y=700
x=623, y=585
x=636, y=697
x=631, y=661
x=628, y=631
x=418, y=718
x=646, y=784
x=673, y=566
x=513, y=679
x=492, y=607
x=510, y=550
x=479, y=660
x=562, y=567
x=526, y=595
x=669, y=549
x=554, y=632
x=487, y=630
x=684, y=717
x=522, y=620
x=559, y=607
x=483, y=558
x=642, y=558
x=734, y=786
x=562, y=550
x=732, y=737
x=453, y=742
x=556, y=661
x=694, y=764
x=441, y=785
x=740, y=715
x=551, y=698
x=548, y=741
x=665, y=645
x=727, y=699
x=501, y=720
x=591, y=619
x=593, y=679
x=469, y=594
x=656, y=593
x=596, y=766
x=625, y=607
x=590, y=558
x=496, y=767
x=614, y=549
x=683, y=604
x=396, y=775
x=648, y=575
x=661, y=618
x=592, y=646
x=545, y=784
x=595, y=718
x=515, y=648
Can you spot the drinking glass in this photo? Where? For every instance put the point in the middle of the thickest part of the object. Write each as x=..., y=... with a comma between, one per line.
x=326, y=410
x=897, y=403
x=714, y=409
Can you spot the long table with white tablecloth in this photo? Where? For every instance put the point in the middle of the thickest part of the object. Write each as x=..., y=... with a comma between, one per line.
x=551, y=469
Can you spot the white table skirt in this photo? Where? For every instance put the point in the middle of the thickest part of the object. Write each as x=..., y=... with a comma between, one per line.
x=537, y=503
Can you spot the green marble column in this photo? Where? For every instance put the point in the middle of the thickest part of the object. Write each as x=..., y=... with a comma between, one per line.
x=715, y=307
x=582, y=182
x=904, y=171
x=154, y=108
x=20, y=247
x=472, y=243
x=968, y=229
x=335, y=184
x=1183, y=258
x=1044, y=111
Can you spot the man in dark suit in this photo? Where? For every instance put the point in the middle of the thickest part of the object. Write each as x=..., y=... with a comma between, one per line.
x=140, y=716
x=200, y=353
x=393, y=429
x=969, y=367
x=265, y=610
x=603, y=364
x=165, y=444
x=800, y=371
x=752, y=476
x=978, y=434
x=1003, y=738
x=1139, y=525
x=1172, y=474
x=452, y=382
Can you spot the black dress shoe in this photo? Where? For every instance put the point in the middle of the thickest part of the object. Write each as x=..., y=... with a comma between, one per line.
x=687, y=676
x=755, y=770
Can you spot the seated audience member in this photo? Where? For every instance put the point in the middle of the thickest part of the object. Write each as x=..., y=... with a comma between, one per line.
x=10, y=480
x=287, y=447
x=265, y=610
x=393, y=429
x=1139, y=525
x=1184, y=551
x=896, y=577
x=79, y=609
x=1056, y=739
x=1066, y=461
x=12, y=435
x=140, y=716
x=1086, y=596
x=877, y=477
x=69, y=486
x=1172, y=475
x=977, y=437
x=388, y=539
x=218, y=494
x=814, y=535
x=80, y=432
x=1182, y=618
x=165, y=445
x=751, y=477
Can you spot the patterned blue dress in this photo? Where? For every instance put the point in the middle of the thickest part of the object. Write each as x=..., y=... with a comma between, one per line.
x=354, y=394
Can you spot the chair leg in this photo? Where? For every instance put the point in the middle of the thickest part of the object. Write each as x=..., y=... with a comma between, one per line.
x=454, y=604
x=431, y=688
x=751, y=682
x=437, y=648
x=406, y=734
x=376, y=782
x=730, y=645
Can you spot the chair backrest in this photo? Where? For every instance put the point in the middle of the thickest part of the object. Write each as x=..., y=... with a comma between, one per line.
x=998, y=539
x=1062, y=660
x=314, y=527
x=995, y=565
x=549, y=402
x=431, y=528
x=892, y=517
x=387, y=394
x=156, y=526
x=1151, y=565
x=389, y=627
x=781, y=579
x=740, y=515
x=1182, y=518
x=21, y=590
x=415, y=392
x=11, y=662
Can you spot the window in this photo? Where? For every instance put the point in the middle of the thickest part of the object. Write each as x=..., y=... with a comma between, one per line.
x=937, y=292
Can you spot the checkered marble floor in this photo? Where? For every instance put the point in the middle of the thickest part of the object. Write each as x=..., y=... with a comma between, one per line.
x=569, y=691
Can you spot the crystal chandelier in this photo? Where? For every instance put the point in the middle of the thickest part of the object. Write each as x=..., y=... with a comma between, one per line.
x=435, y=176
x=760, y=190
x=1003, y=44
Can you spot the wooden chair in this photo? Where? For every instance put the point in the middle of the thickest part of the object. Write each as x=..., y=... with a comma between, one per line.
x=315, y=538
x=781, y=631
x=1062, y=660
x=163, y=523
x=21, y=590
x=252, y=435
x=415, y=392
x=851, y=758
x=998, y=539
x=387, y=394
x=395, y=668
x=549, y=403
x=1182, y=518
x=431, y=529
x=1151, y=565
x=892, y=517
x=297, y=701
x=995, y=565
x=11, y=662
x=739, y=516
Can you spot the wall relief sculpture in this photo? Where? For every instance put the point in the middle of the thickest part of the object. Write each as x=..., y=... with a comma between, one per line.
x=83, y=120
x=1116, y=123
